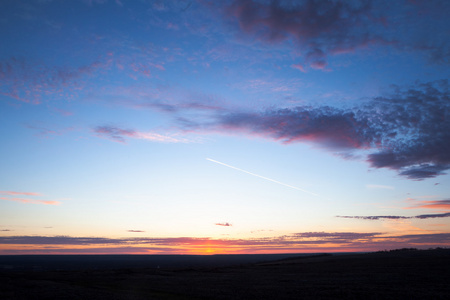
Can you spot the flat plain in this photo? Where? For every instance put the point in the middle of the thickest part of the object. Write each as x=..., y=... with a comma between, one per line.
x=401, y=274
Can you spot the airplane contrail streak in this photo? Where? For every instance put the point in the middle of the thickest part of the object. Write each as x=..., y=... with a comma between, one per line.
x=293, y=187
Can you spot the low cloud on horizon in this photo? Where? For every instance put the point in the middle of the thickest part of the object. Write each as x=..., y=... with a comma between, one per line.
x=311, y=241
x=427, y=216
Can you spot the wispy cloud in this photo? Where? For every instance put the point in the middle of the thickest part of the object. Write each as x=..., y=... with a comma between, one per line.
x=10, y=196
x=12, y=193
x=32, y=82
x=136, y=231
x=31, y=201
x=119, y=135
x=45, y=131
x=428, y=216
x=378, y=186
x=434, y=204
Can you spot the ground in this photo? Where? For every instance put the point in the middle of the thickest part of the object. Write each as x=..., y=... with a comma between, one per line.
x=406, y=274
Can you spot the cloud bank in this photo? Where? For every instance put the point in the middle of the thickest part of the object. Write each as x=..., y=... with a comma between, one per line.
x=303, y=241
x=407, y=131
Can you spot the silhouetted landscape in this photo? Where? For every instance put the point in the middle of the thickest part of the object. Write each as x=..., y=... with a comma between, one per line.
x=396, y=274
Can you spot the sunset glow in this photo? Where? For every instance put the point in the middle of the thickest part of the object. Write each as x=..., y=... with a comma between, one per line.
x=223, y=127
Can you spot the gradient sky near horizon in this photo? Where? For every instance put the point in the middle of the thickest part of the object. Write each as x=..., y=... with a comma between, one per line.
x=239, y=126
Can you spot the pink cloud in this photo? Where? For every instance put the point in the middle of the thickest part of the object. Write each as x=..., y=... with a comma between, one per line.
x=159, y=66
x=32, y=201
x=320, y=65
x=10, y=197
x=12, y=193
x=436, y=204
x=299, y=67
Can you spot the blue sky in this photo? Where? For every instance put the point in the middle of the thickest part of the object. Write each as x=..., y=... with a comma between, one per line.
x=223, y=126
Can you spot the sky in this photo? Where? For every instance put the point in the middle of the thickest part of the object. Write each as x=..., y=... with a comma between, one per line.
x=238, y=126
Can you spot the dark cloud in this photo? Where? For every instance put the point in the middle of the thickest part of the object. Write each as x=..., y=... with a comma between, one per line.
x=407, y=131
x=429, y=216
x=337, y=235
x=418, y=144
x=131, y=230
x=322, y=28
x=330, y=127
x=374, y=217
x=318, y=27
x=444, y=238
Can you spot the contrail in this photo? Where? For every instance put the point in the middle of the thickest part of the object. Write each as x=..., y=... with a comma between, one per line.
x=293, y=187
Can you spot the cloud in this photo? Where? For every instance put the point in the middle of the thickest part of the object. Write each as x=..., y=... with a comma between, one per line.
x=30, y=82
x=44, y=131
x=9, y=196
x=131, y=230
x=435, y=204
x=323, y=28
x=429, y=216
x=32, y=201
x=58, y=240
x=406, y=130
x=317, y=27
x=299, y=67
x=119, y=135
x=336, y=235
x=330, y=127
x=306, y=241
x=12, y=193
x=378, y=186
x=114, y=133
x=417, y=142
x=224, y=224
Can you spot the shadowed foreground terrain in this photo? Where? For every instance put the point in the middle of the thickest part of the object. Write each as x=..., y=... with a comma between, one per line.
x=412, y=274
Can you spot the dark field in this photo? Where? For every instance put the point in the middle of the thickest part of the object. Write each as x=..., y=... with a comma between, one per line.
x=412, y=274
